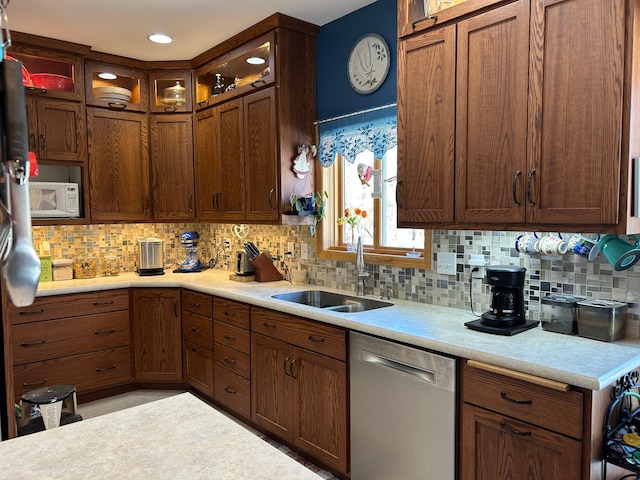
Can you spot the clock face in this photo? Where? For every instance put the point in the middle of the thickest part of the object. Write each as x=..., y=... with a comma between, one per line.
x=368, y=63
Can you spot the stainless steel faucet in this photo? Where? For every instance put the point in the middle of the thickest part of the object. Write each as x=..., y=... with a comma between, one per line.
x=360, y=267
x=287, y=271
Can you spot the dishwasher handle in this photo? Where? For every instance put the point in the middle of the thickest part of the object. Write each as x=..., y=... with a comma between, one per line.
x=424, y=375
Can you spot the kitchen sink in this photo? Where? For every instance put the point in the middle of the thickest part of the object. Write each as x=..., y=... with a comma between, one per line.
x=335, y=302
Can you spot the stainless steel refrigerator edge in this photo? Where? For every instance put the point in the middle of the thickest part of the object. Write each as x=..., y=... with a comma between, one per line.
x=403, y=412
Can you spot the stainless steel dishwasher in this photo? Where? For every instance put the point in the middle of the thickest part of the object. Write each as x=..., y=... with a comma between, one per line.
x=403, y=412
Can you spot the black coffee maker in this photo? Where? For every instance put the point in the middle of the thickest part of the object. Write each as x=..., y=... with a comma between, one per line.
x=506, y=315
x=507, y=297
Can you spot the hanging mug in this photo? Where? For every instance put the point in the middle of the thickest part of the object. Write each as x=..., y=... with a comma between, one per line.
x=619, y=253
x=552, y=245
x=584, y=246
x=527, y=243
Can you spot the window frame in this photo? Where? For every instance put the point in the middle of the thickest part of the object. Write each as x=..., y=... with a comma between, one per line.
x=329, y=234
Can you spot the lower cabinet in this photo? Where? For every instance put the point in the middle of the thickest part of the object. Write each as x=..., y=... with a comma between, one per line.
x=157, y=340
x=513, y=428
x=197, y=341
x=232, y=355
x=299, y=384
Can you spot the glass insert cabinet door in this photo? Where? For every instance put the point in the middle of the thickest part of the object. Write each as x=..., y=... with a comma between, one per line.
x=171, y=91
x=116, y=87
x=57, y=75
x=248, y=67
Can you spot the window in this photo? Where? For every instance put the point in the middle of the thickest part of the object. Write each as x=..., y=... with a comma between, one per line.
x=359, y=156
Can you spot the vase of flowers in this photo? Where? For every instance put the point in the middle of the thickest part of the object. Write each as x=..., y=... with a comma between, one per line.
x=352, y=219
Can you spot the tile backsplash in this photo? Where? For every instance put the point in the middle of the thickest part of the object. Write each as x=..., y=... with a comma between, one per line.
x=570, y=274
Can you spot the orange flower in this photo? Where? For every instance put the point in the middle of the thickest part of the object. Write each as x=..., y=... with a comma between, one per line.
x=357, y=211
x=363, y=214
x=351, y=216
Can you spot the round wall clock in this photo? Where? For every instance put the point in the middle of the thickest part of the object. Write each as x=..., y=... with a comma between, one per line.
x=368, y=63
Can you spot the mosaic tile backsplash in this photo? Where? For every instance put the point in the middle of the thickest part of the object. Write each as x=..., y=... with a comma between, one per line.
x=570, y=274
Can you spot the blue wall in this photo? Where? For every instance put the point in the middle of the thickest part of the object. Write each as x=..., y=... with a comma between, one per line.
x=333, y=45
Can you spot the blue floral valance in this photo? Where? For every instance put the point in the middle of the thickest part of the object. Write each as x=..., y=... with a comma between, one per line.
x=374, y=130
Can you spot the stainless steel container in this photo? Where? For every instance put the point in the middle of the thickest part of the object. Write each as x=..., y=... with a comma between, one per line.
x=150, y=257
x=558, y=313
x=602, y=319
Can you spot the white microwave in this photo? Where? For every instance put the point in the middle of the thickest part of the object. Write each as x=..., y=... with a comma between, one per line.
x=54, y=200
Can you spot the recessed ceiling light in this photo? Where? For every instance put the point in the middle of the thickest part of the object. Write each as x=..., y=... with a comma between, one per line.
x=107, y=75
x=160, y=38
x=255, y=60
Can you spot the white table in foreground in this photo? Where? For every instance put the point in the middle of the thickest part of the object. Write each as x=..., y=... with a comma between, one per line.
x=179, y=437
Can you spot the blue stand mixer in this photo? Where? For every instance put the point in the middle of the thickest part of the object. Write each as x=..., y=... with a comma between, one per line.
x=189, y=240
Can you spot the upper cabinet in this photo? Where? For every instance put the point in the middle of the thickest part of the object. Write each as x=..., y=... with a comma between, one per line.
x=50, y=72
x=522, y=124
x=171, y=91
x=237, y=72
x=116, y=87
x=247, y=133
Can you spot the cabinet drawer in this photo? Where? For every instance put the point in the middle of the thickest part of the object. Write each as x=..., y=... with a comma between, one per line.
x=198, y=367
x=88, y=371
x=233, y=391
x=233, y=313
x=74, y=305
x=237, y=362
x=317, y=337
x=197, y=329
x=199, y=303
x=559, y=411
x=230, y=336
x=33, y=342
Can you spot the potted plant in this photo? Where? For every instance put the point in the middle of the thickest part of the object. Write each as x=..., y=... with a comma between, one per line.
x=312, y=204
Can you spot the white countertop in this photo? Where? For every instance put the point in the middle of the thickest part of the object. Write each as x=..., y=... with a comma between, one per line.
x=571, y=359
x=166, y=439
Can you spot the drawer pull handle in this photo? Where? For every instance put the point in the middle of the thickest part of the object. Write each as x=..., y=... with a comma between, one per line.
x=229, y=314
x=31, y=344
x=194, y=329
x=229, y=337
x=107, y=302
x=229, y=360
x=41, y=382
x=316, y=339
x=98, y=369
x=30, y=312
x=98, y=332
x=195, y=304
x=268, y=325
x=230, y=390
x=514, y=431
x=513, y=400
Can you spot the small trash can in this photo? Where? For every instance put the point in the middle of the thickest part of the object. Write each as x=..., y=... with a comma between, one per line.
x=52, y=407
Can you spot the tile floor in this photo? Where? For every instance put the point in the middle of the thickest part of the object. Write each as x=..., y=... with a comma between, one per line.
x=140, y=397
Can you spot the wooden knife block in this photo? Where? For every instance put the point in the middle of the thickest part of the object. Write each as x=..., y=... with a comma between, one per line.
x=264, y=269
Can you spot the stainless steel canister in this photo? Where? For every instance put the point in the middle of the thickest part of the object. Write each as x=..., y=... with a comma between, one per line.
x=151, y=256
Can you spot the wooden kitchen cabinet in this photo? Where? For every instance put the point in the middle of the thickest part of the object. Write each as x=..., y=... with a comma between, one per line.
x=57, y=129
x=163, y=94
x=505, y=140
x=254, y=130
x=118, y=165
x=513, y=428
x=172, y=183
x=79, y=339
x=116, y=87
x=236, y=164
x=157, y=339
x=197, y=338
x=232, y=355
x=298, y=375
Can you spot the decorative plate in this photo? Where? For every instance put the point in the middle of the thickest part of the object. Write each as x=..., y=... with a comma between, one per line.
x=368, y=63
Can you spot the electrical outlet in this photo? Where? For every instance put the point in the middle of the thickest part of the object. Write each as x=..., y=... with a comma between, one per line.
x=291, y=247
x=304, y=251
x=446, y=263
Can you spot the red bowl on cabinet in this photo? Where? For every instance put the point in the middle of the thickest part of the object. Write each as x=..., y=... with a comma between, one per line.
x=51, y=81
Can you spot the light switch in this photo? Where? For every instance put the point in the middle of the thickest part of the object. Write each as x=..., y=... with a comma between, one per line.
x=304, y=251
x=446, y=263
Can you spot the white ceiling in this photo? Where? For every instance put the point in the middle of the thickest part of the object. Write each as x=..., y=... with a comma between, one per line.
x=120, y=27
